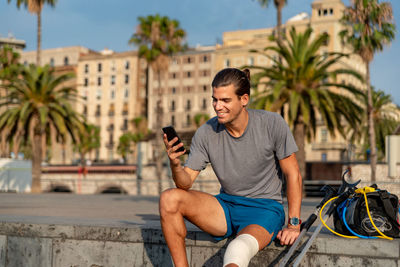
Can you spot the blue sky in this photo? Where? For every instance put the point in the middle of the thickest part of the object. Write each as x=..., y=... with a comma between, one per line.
x=97, y=24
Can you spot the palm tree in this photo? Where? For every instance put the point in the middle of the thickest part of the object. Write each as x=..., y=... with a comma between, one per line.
x=303, y=80
x=88, y=140
x=158, y=38
x=369, y=27
x=279, y=4
x=9, y=68
x=385, y=122
x=35, y=7
x=200, y=119
x=37, y=101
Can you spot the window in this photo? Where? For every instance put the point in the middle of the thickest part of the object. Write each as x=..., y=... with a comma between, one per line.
x=126, y=93
x=324, y=135
x=325, y=12
x=98, y=111
x=204, y=106
x=324, y=157
x=111, y=110
x=52, y=62
x=125, y=125
x=188, y=74
x=127, y=65
x=98, y=94
x=188, y=105
x=173, y=105
x=99, y=67
x=331, y=11
x=227, y=63
x=173, y=120
x=188, y=60
x=66, y=61
x=126, y=78
x=98, y=80
x=251, y=61
x=204, y=88
x=112, y=93
x=205, y=58
x=173, y=90
x=85, y=110
x=25, y=63
x=112, y=79
x=188, y=120
x=86, y=68
x=125, y=109
x=86, y=82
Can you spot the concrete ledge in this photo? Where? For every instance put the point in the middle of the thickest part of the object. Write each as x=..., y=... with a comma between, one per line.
x=53, y=245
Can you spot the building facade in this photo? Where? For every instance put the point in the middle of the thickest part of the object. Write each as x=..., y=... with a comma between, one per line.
x=107, y=83
x=235, y=51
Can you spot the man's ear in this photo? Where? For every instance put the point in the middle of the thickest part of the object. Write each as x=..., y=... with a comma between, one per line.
x=244, y=99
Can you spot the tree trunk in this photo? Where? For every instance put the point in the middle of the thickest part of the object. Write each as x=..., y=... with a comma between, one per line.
x=299, y=139
x=36, y=161
x=158, y=142
x=371, y=128
x=39, y=37
x=279, y=22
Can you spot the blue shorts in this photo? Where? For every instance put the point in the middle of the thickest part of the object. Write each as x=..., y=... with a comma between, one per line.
x=242, y=211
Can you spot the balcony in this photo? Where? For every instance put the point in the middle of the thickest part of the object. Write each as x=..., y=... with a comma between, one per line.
x=124, y=112
x=97, y=114
x=110, y=145
x=110, y=127
x=111, y=113
x=329, y=146
x=124, y=128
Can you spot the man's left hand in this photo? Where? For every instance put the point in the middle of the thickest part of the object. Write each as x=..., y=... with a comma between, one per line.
x=288, y=235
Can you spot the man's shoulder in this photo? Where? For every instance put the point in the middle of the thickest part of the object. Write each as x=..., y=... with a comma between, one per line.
x=212, y=125
x=264, y=114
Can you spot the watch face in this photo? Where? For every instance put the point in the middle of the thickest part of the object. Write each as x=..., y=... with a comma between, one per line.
x=294, y=221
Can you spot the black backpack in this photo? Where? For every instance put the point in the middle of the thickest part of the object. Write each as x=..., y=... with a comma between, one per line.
x=351, y=216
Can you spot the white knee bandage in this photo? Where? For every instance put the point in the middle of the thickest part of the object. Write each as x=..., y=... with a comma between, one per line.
x=241, y=250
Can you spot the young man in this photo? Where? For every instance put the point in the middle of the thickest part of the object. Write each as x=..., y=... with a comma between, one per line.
x=249, y=150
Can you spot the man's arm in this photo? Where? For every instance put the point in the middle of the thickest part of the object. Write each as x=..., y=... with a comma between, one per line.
x=183, y=176
x=291, y=170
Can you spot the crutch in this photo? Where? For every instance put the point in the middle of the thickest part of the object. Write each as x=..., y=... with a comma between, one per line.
x=329, y=193
x=343, y=193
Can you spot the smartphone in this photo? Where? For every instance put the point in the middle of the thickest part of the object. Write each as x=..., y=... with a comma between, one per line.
x=171, y=134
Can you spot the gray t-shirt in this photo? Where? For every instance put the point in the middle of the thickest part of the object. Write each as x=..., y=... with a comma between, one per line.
x=247, y=165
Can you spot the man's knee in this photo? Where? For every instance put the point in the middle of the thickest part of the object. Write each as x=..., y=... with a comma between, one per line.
x=241, y=250
x=169, y=201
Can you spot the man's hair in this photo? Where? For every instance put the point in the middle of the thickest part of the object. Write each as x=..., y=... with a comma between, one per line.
x=239, y=79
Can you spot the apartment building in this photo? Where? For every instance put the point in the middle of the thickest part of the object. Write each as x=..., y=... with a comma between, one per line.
x=107, y=81
x=185, y=89
x=325, y=16
x=63, y=60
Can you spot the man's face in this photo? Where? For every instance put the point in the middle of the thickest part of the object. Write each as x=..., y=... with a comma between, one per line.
x=227, y=105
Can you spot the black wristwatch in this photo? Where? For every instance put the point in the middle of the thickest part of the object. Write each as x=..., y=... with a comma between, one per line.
x=294, y=221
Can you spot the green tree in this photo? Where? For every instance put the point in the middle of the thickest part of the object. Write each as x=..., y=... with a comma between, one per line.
x=200, y=119
x=35, y=7
x=369, y=26
x=304, y=80
x=279, y=4
x=88, y=140
x=385, y=122
x=158, y=38
x=36, y=101
x=9, y=69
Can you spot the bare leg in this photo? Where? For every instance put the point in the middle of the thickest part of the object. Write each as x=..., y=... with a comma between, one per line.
x=202, y=209
x=260, y=233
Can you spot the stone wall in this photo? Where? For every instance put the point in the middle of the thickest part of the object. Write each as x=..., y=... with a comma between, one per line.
x=33, y=245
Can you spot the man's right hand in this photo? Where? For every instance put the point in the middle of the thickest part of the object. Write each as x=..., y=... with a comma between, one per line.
x=172, y=152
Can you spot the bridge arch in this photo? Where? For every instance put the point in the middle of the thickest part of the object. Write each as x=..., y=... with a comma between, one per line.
x=111, y=189
x=59, y=188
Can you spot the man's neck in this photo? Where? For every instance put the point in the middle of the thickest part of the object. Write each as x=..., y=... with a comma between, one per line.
x=237, y=127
